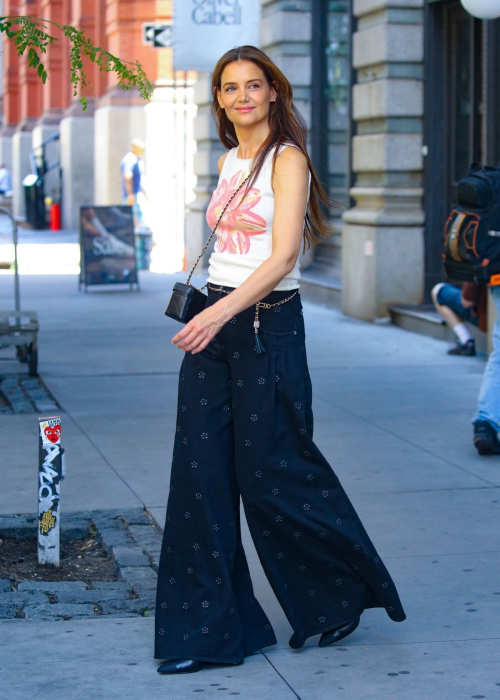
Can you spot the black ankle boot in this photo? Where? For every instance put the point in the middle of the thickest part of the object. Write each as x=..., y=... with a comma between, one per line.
x=297, y=640
x=337, y=634
x=180, y=666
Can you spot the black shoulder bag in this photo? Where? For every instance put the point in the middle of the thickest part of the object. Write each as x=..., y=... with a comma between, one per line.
x=188, y=301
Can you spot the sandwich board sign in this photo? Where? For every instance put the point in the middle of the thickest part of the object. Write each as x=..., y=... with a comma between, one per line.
x=107, y=246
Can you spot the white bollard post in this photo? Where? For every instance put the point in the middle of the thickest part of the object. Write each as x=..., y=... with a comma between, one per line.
x=50, y=473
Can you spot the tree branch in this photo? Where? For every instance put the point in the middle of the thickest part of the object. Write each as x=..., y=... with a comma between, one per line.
x=32, y=35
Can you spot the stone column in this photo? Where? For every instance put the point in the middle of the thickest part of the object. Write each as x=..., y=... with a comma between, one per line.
x=169, y=162
x=55, y=94
x=30, y=88
x=99, y=81
x=1, y=65
x=55, y=91
x=208, y=151
x=77, y=129
x=383, y=243
x=120, y=116
x=10, y=105
x=285, y=35
x=115, y=127
x=77, y=163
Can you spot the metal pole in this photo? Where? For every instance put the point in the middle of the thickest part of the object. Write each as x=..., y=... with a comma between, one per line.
x=17, y=294
x=50, y=473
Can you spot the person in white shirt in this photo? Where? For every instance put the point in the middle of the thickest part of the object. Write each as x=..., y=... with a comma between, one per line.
x=244, y=422
x=134, y=181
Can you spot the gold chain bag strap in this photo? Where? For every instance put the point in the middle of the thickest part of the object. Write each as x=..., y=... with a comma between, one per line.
x=187, y=301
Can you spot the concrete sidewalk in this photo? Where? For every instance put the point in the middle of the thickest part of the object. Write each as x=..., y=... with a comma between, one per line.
x=392, y=414
x=55, y=252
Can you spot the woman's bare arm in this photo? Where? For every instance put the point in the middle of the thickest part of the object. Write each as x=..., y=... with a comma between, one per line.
x=220, y=162
x=290, y=184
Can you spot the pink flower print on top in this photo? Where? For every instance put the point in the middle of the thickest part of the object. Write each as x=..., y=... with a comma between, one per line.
x=239, y=222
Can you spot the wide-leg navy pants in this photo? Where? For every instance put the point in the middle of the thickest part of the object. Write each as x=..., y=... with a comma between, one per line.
x=245, y=429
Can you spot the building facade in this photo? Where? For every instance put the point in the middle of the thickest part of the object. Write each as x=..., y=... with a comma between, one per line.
x=426, y=104
x=89, y=144
x=400, y=96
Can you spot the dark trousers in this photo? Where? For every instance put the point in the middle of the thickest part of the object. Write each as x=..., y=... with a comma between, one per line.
x=245, y=429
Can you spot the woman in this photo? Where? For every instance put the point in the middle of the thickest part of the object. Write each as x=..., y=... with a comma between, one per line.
x=245, y=424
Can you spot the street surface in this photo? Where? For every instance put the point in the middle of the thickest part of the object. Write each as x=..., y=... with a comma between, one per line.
x=392, y=414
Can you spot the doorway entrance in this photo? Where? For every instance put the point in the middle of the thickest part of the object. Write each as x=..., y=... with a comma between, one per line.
x=454, y=117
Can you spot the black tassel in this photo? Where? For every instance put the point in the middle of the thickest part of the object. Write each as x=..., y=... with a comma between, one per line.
x=259, y=348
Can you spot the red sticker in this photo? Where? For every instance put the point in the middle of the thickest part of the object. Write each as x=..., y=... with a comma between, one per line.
x=53, y=433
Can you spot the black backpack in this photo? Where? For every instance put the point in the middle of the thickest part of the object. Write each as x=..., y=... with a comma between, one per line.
x=472, y=231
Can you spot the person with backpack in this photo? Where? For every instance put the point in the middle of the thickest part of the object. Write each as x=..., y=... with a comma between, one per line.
x=472, y=254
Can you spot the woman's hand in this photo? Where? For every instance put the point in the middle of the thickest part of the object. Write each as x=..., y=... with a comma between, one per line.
x=196, y=335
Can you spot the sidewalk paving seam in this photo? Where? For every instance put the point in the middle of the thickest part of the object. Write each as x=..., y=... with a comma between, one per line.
x=436, y=490
x=423, y=641
x=315, y=368
x=442, y=554
x=280, y=675
x=409, y=442
x=82, y=431
x=112, y=374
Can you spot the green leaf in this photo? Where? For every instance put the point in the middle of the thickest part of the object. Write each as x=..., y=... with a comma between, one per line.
x=40, y=70
x=34, y=59
x=44, y=77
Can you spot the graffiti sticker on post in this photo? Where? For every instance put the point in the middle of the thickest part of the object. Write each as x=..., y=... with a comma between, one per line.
x=50, y=473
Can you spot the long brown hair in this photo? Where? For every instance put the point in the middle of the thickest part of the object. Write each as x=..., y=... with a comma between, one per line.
x=286, y=125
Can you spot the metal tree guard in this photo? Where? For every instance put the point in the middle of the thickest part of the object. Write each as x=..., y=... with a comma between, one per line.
x=19, y=328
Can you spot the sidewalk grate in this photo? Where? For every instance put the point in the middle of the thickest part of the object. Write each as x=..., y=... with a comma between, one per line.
x=26, y=395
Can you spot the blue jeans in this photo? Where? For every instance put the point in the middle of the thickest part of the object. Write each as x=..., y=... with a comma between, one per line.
x=489, y=396
x=137, y=209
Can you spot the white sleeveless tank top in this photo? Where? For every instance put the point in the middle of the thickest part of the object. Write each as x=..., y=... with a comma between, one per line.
x=244, y=234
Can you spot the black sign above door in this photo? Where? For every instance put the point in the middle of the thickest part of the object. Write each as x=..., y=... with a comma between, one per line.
x=159, y=36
